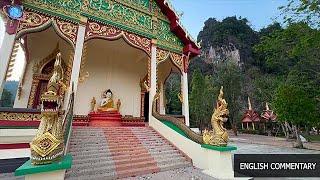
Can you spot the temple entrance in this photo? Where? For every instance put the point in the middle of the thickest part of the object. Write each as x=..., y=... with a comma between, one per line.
x=169, y=83
x=41, y=49
x=146, y=106
x=113, y=65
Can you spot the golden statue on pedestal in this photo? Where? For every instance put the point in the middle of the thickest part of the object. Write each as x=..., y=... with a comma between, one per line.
x=107, y=103
x=219, y=136
x=93, y=104
x=48, y=144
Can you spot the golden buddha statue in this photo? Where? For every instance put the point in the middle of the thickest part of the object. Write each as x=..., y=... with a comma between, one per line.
x=107, y=104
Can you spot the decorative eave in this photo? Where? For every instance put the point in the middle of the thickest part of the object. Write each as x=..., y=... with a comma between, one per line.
x=250, y=116
x=190, y=45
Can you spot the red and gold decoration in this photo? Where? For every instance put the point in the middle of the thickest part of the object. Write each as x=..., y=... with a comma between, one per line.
x=96, y=30
x=84, y=75
x=33, y=21
x=176, y=59
x=16, y=116
x=12, y=59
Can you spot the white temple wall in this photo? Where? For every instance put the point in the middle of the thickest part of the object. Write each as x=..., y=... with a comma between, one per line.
x=26, y=88
x=40, y=46
x=116, y=67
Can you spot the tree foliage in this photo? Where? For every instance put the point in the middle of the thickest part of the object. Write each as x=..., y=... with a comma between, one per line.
x=172, y=89
x=293, y=105
x=229, y=75
x=197, y=105
x=307, y=11
x=6, y=99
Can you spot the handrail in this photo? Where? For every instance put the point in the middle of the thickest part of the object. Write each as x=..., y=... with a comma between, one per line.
x=67, y=122
x=191, y=134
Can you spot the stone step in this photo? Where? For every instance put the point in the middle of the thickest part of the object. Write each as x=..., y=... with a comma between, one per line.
x=119, y=152
x=166, y=167
x=97, y=154
x=137, y=172
x=124, y=158
x=145, y=135
x=91, y=171
x=121, y=148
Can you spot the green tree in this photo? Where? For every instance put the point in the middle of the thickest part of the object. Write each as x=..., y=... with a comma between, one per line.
x=294, y=106
x=307, y=11
x=172, y=89
x=293, y=55
x=209, y=99
x=197, y=100
x=230, y=76
x=6, y=99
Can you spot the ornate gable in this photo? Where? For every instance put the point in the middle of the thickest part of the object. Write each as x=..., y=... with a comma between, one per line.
x=143, y=17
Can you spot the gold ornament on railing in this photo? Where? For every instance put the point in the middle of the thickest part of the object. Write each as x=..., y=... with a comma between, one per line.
x=84, y=75
x=19, y=90
x=219, y=136
x=48, y=144
x=12, y=59
x=180, y=96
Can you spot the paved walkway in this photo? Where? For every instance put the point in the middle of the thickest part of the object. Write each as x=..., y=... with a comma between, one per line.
x=270, y=140
x=246, y=148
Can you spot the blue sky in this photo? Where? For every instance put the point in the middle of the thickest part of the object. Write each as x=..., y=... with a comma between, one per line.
x=258, y=12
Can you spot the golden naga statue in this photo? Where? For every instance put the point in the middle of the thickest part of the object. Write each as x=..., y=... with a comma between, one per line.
x=107, y=103
x=219, y=136
x=48, y=144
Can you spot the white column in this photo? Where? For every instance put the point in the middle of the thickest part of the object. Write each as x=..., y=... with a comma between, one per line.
x=185, y=96
x=153, y=77
x=76, y=63
x=162, y=99
x=5, y=54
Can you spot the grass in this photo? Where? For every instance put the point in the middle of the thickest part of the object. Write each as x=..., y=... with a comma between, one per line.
x=313, y=138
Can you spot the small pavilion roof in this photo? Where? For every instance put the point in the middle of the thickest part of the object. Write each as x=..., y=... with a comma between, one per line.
x=268, y=115
x=251, y=116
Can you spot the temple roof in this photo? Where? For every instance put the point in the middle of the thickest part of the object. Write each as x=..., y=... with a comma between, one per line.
x=177, y=28
x=268, y=115
x=152, y=19
x=250, y=115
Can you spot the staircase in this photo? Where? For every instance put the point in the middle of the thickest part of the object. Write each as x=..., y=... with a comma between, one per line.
x=111, y=119
x=118, y=152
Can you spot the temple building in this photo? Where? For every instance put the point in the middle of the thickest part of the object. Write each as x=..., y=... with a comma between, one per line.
x=127, y=47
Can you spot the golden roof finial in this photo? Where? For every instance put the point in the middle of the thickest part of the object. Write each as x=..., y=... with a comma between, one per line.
x=249, y=104
x=267, y=106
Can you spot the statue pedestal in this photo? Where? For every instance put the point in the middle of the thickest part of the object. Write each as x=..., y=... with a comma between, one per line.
x=110, y=118
x=218, y=161
x=54, y=171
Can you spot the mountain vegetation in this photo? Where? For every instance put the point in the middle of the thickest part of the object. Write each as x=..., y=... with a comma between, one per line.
x=278, y=64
